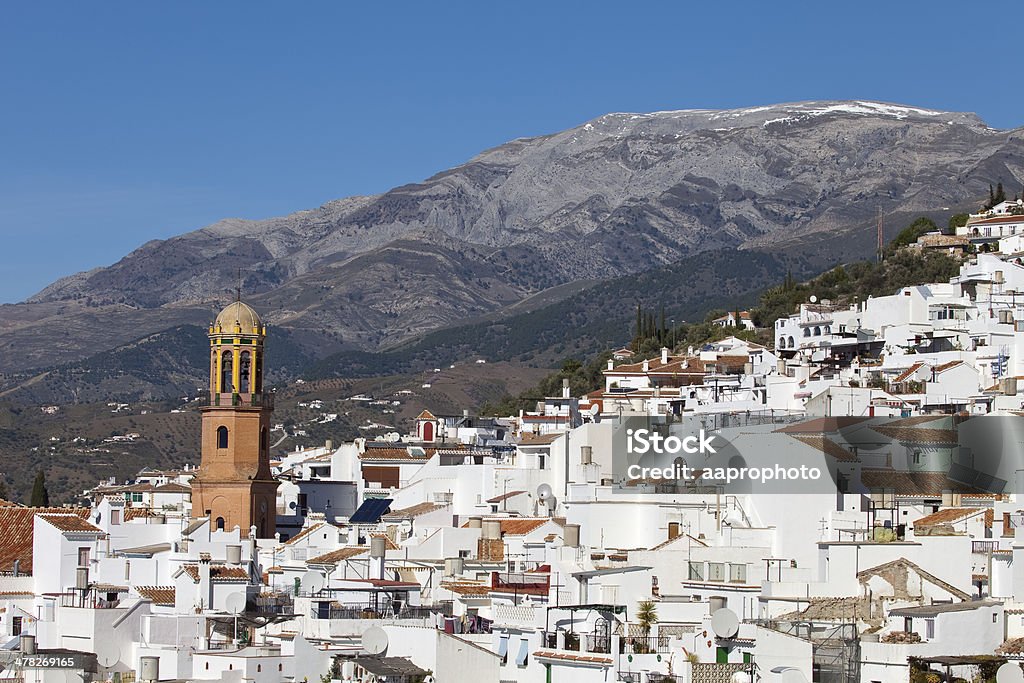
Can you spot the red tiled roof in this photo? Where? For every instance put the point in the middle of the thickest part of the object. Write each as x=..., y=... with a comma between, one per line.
x=309, y=530
x=70, y=522
x=924, y=435
x=951, y=515
x=426, y=415
x=908, y=373
x=467, y=589
x=16, y=540
x=826, y=446
x=219, y=573
x=505, y=496
x=336, y=556
x=395, y=454
x=573, y=657
x=995, y=220
x=517, y=526
x=930, y=484
x=159, y=595
x=822, y=425
x=414, y=511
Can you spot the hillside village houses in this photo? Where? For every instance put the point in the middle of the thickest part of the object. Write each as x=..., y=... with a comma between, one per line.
x=513, y=549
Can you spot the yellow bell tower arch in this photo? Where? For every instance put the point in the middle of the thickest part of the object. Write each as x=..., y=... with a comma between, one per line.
x=234, y=485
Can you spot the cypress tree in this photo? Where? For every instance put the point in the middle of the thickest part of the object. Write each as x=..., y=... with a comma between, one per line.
x=40, y=496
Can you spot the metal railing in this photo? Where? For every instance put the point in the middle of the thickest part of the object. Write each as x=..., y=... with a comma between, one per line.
x=253, y=400
x=369, y=612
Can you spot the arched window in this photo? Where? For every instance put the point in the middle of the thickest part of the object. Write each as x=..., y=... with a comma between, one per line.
x=227, y=382
x=220, y=524
x=807, y=332
x=791, y=343
x=782, y=342
x=222, y=437
x=817, y=331
x=244, y=373
x=257, y=362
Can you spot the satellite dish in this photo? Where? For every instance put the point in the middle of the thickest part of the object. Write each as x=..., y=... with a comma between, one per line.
x=108, y=654
x=235, y=603
x=1010, y=672
x=544, y=493
x=725, y=623
x=793, y=675
x=375, y=640
x=312, y=582
x=814, y=299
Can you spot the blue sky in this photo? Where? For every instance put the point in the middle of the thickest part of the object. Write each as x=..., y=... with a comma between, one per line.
x=122, y=122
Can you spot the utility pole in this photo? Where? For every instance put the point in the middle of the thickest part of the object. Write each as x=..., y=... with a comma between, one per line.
x=881, y=240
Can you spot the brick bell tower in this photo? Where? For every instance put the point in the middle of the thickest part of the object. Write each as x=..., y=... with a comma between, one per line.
x=234, y=485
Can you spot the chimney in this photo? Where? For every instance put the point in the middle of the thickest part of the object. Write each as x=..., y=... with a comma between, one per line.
x=28, y=644
x=586, y=455
x=611, y=364
x=664, y=355
x=17, y=567
x=234, y=555
x=329, y=445
x=205, y=584
x=647, y=366
x=565, y=388
x=378, y=546
x=571, y=536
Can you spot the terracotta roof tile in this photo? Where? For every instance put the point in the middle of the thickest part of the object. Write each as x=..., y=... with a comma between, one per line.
x=505, y=496
x=467, y=589
x=950, y=516
x=159, y=595
x=336, y=556
x=70, y=522
x=924, y=435
x=219, y=573
x=573, y=657
x=16, y=539
x=826, y=446
x=517, y=526
x=908, y=373
x=413, y=511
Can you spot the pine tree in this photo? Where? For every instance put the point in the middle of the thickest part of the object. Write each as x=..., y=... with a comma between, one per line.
x=40, y=496
x=1000, y=194
x=991, y=197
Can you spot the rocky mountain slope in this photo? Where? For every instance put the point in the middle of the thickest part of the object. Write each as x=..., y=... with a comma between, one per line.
x=621, y=194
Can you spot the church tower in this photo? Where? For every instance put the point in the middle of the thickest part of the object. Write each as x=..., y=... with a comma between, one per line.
x=234, y=485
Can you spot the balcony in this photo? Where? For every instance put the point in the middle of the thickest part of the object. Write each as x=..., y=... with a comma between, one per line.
x=368, y=611
x=234, y=400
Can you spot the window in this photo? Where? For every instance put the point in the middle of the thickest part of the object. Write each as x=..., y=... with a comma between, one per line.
x=696, y=571
x=222, y=437
x=16, y=626
x=220, y=524
x=83, y=557
x=716, y=571
x=929, y=628
x=115, y=517
x=738, y=573
x=136, y=497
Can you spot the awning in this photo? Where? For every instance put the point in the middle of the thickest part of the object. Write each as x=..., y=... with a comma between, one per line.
x=503, y=646
x=524, y=650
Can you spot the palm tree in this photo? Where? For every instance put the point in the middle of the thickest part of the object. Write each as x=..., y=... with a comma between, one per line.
x=646, y=616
